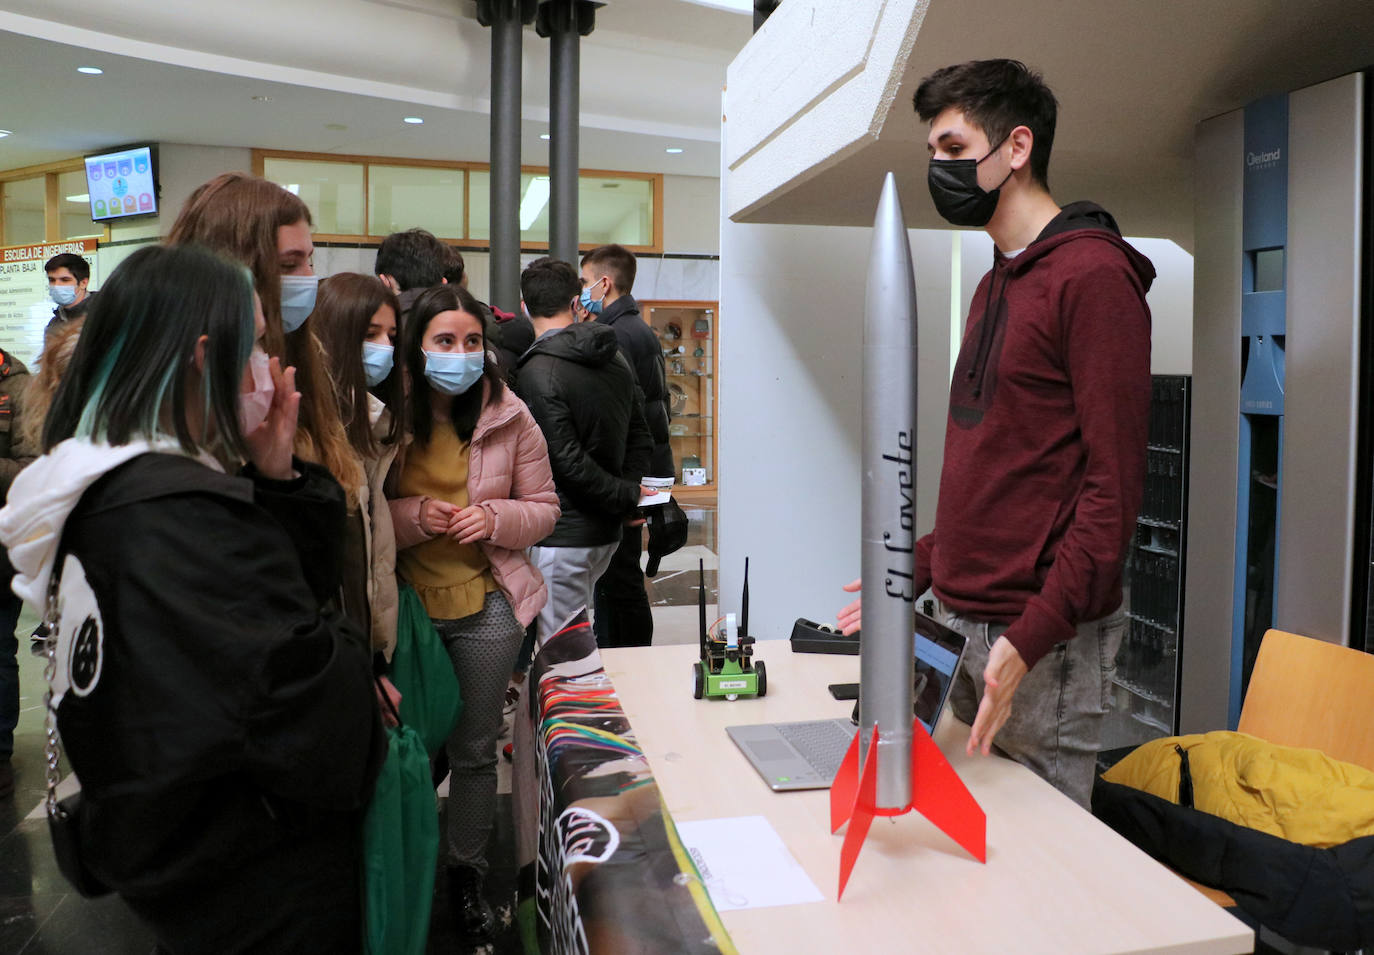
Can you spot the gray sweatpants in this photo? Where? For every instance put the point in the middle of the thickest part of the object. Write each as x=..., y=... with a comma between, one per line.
x=570, y=573
x=483, y=648
x=1055, y=727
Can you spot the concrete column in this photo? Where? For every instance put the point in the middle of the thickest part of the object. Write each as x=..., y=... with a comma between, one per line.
x=507, y=19
x=564, y=22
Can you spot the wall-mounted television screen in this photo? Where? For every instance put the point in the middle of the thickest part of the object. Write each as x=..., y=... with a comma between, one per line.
x=122, y=183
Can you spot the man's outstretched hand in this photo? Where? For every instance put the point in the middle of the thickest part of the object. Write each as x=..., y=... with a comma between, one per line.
x=850, y=616
x=1001, y=677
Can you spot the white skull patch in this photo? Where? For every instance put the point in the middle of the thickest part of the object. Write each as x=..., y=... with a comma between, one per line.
x=80, y=634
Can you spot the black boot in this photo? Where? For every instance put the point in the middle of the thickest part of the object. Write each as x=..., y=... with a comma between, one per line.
x=474, y=916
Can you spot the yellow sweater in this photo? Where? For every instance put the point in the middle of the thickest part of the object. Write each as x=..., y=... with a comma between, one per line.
x=1300, y=795
x=452, y=579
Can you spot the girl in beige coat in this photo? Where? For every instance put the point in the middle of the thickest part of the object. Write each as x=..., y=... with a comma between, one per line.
x=355, y=321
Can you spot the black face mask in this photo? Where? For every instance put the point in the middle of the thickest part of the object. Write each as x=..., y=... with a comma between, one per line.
x=958, y=197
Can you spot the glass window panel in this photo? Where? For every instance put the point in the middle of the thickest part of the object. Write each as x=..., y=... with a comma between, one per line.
x=609, y=209
x=615, y=210
x=333, y=191
x=74, y=206
x=532, y=210
x=24, y=200
x=415, y=197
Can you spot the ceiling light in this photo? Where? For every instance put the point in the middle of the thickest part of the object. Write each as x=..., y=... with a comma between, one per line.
x=536, y=198
x=414, y=120
x=4, y=133
x=84, y=197
x=673, y=149
x=294, y=188
x=90, y=70
x=544, y=136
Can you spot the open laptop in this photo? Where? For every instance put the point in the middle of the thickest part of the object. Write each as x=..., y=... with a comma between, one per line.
x=807, y=754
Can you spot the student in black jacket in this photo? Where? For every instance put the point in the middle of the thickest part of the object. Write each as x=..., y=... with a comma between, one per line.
x=583, y=394
x=223, y=725
x=623, y=618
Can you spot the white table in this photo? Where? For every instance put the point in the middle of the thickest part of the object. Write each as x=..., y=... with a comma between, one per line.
x=1056, y=879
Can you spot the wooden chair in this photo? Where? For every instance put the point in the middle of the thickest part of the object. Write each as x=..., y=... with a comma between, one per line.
x=1311, y=694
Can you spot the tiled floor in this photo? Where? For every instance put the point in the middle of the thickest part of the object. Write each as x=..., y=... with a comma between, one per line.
x=40, y=914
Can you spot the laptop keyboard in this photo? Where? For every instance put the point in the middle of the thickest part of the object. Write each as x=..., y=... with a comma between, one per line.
x=822, y=743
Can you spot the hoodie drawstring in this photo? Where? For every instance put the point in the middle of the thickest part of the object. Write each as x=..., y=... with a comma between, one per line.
x=992, y=307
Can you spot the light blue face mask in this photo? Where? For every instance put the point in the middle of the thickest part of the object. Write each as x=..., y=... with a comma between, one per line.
x=592, y=305
x=454, y=372
x=297, y=300
x=63, y=295
x=377, y=360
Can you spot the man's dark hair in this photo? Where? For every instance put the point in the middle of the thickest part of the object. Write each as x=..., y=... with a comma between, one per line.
x=996, y=96
x=75, y=264
x=453, y=266
x=414, y=258
x=617, y=262
x=549, y=286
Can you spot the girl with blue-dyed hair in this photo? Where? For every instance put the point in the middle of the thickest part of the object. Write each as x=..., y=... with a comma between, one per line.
x=222, y=725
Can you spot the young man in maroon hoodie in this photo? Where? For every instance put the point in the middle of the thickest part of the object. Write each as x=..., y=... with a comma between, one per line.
x=1049, y=406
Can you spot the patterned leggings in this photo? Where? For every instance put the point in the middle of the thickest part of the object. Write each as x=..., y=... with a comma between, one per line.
x=483, y=648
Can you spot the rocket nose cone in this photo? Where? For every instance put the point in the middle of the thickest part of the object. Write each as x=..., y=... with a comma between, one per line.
x=891, y=289
x=889, y=205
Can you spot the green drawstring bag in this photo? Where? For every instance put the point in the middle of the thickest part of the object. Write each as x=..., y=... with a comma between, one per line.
x=422, y=671
x=400, y=849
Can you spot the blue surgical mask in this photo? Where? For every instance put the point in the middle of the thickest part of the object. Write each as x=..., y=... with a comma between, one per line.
x=62, y=294
x=454, y=372
x=297, y=300
x=592, y=305
x=377, y=360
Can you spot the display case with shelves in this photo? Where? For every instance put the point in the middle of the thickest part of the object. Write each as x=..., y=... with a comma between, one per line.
x=1147, y=681
x=688, y=334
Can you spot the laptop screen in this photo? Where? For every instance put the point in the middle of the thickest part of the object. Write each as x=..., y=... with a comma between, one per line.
x=938, y=650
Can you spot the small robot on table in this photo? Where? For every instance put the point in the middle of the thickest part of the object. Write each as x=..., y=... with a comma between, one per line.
x=727, y=667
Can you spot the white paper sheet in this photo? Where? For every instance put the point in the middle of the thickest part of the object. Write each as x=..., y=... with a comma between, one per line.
x=745, y=865
x=663, y=487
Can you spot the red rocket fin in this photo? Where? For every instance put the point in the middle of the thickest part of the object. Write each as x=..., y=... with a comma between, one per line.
x=940, y=795
x=845, y=788
x=861, y=816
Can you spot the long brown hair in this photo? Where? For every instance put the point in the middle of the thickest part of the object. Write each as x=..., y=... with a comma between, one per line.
x=343, y=313
x=52, y=365
x=238, y=215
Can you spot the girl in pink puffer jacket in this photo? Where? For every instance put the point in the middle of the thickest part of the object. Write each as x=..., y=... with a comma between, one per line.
x=471, y=491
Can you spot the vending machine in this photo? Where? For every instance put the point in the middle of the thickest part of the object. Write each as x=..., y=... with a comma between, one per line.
x=1280, y=477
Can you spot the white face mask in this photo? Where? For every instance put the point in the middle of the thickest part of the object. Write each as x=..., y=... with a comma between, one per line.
x=254, y=405
x=297, y=300
x=377, y=359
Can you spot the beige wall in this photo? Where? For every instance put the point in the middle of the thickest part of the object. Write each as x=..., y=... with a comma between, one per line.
x=691, y=214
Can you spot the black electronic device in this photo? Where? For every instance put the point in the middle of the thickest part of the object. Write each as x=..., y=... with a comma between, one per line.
x=939, y=651
x=844, y=691
x=810, y=637
x=123, y=183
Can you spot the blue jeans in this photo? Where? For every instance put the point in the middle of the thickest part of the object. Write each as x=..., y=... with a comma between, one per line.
x=10, y=608
x=1055, y=727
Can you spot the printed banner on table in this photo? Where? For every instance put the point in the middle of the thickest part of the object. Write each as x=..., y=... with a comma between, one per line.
x=25, y=308
x=604, y=865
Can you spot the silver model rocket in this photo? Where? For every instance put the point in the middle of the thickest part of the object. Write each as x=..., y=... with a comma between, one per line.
x=889, y=502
